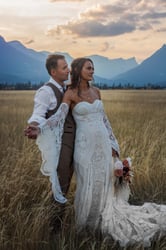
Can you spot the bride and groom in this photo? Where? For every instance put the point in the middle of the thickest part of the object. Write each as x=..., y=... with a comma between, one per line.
x=96, y=152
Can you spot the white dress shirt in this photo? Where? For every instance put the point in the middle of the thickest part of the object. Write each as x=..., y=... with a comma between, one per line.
x=44, y=100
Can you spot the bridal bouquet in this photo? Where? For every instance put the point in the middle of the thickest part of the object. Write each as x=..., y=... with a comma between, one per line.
x=123, y=171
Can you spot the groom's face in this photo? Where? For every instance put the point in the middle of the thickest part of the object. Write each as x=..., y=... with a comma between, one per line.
x=61, y=73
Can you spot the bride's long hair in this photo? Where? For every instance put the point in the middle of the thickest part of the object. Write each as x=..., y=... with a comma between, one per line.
x=75, y=74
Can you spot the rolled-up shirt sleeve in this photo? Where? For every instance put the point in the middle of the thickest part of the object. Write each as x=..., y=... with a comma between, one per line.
x=42, y=103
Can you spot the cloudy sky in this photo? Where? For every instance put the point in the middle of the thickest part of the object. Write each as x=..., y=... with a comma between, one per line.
x=111, y=28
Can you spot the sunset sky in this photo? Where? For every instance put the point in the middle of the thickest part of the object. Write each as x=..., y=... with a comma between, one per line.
x=111, y=28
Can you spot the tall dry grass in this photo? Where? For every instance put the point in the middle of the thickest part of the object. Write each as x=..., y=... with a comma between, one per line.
x=138, y=120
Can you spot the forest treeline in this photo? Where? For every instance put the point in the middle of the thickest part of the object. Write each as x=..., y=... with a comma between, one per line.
x=30, y=86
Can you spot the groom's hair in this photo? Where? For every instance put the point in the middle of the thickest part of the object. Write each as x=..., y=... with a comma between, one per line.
x=52, y=61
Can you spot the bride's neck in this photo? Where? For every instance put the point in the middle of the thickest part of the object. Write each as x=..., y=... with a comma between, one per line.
x=84, y=85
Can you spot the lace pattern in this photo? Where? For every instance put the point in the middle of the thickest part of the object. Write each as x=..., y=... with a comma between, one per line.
x=97, y=203
x=112, y=137
x=56, y=119
x=49, y=142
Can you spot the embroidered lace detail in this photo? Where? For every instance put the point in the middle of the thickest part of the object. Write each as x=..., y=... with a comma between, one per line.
x=97, y=202
x=112, y=137
x=49, y=143
x=57, y=119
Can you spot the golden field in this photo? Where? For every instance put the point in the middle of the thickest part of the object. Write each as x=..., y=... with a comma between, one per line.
x=138, y=118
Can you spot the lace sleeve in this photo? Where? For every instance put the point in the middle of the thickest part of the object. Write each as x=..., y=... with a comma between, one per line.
x=57, y=119
x=49, y=142
x=112, y=137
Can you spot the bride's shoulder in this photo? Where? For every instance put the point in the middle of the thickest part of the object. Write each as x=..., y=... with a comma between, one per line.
x=96, y=90
x=71, y=93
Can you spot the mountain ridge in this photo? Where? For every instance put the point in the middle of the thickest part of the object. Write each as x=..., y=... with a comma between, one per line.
x=29, y=64
x=21, y=64
x=151, y=71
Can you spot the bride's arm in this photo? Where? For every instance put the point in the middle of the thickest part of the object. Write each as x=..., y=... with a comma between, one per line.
x=49, y=143
x=56, y=119
x=60, y=115
x=114, y=142
x=53, y=121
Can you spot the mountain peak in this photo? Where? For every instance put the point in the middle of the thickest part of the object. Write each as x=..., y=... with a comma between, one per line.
x=2, y=40
x=164, y=46
x=16, y=44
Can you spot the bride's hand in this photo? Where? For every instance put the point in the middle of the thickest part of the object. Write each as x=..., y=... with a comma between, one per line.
x=114, y=153
x=118, y=172
x=118, y=168
x=32, y=131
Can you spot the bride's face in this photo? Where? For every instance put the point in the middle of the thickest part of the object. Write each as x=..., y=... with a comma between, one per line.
x=87, y=71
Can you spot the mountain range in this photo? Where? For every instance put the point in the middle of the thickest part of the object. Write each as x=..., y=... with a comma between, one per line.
x=20, y=64
x=150, y=71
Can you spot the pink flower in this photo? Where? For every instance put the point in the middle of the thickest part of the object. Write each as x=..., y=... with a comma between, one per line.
x=123, y=170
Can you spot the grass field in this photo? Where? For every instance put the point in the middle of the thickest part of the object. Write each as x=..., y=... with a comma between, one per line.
x=138, y=118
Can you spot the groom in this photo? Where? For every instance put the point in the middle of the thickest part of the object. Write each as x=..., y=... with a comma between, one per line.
x=46, y=102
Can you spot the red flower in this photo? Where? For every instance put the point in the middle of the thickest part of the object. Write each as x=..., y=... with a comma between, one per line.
x=123, y=170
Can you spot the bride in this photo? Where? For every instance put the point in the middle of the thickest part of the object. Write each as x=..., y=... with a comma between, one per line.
x=98, y=205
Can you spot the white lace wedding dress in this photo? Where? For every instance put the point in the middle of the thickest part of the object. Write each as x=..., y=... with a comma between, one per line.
x=97, y=205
